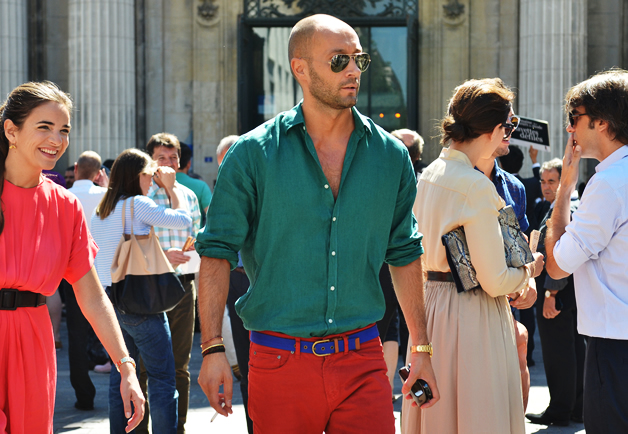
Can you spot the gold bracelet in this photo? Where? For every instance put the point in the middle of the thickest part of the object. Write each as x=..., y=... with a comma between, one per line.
x=205, y=344
x=422, y=349
x=211, y=346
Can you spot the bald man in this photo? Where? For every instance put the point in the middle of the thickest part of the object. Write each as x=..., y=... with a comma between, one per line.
x=316, y=200
x=414, y=142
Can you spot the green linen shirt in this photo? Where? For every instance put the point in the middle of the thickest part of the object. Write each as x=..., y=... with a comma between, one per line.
x=313, y=261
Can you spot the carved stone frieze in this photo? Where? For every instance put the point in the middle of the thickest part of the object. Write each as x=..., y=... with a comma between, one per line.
x=453, y=13
x=207, y=12
x=341, y=8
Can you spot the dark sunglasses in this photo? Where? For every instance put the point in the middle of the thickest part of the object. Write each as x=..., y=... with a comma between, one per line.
x=510, y=127
x=572, y=118
x=340, y=61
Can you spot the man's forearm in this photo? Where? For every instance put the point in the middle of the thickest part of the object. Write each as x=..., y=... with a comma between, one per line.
x=555, y=229
x=408, y=284
x=213, y=289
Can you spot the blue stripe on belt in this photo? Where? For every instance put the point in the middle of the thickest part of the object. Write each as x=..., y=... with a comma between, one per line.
x=323, y=347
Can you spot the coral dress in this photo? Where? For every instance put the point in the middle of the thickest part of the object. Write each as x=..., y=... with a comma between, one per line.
x=45, y=239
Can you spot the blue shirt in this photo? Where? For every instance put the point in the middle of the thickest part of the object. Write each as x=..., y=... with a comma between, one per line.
x=513, y=192
x=313, y=261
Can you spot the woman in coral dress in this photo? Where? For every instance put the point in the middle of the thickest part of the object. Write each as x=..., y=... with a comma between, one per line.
x=44, y=238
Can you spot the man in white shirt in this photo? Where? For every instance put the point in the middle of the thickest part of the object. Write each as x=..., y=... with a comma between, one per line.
x=593, y=245
x=87, y=170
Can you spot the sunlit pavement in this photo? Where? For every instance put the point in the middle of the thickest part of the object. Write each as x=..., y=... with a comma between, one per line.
x=70, y=420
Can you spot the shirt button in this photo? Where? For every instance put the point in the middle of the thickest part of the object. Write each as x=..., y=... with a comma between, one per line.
x=333, y=219
x=330, y=320
x=332, y=288
x=333, y=253
x=326, y=186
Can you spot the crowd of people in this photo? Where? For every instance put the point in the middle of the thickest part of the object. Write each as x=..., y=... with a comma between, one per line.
x=323, y=240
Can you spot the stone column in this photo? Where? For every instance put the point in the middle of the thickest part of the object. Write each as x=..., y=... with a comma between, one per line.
x=215, y=87
x=553, y=47
x=13, y=45
x=102, y=76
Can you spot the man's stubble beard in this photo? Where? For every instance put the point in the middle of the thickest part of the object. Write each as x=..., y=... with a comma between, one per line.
x=324, y=94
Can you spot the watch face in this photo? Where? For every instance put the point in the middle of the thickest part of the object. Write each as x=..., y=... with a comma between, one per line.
x=548, y=294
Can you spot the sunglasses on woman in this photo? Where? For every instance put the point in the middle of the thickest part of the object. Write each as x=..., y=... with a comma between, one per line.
x=510, y=127
x=340, y=61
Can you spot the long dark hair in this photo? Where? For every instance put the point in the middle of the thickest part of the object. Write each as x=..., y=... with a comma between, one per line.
x=124, y=180
x=18, y=106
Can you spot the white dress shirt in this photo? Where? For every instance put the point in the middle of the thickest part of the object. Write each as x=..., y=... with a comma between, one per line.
x=89, y=195
x=595, y=249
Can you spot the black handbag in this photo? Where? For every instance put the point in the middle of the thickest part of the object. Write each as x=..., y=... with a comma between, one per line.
x=143, y=280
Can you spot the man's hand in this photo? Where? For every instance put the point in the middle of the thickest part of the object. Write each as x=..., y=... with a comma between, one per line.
x=131, y=392
x=176, y=256
x=533, y=154
x=102, y=179
x=539, y=263
x=571, y=165
x=165, y=177
x=421, y=368
x=527, y=297
x=549, y=308
x=215, y=371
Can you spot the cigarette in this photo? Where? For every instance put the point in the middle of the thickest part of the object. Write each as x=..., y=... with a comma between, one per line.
x=216, y=413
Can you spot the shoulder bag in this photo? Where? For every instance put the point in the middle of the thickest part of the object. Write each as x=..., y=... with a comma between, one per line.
x=143, y=280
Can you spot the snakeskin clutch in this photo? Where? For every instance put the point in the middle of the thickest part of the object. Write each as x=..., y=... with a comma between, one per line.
x=516, y=250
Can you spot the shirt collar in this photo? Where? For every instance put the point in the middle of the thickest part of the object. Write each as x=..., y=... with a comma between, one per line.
x=82, y=183
x=613, y=158
x=452, y=154
x=294, y=117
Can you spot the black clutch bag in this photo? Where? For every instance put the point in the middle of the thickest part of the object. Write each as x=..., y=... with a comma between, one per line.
x=516, y=250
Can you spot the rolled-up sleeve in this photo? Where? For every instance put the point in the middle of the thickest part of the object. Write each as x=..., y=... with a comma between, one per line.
x=404, y=245
x=232, y=208
x=590, y=229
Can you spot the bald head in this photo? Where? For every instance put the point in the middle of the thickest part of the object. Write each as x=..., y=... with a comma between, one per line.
x=88, y=165
x=303, y=32
x=413, y=141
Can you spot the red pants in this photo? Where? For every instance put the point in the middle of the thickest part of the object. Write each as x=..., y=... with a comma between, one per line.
x=303, y=393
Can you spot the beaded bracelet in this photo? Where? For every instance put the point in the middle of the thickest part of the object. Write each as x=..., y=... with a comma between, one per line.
x=218, y=348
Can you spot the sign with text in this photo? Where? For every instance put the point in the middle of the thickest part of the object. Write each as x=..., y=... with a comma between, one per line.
x=531, y=132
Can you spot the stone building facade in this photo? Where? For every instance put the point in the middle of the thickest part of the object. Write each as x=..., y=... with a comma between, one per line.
x=204, y=69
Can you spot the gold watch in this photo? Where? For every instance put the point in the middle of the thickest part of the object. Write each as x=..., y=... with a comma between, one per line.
x=422, y=349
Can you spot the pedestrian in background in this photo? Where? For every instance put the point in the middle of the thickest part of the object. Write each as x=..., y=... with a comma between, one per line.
x=146, y=336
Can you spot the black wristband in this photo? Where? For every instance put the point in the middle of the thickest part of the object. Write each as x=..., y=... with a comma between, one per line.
x=214, y=349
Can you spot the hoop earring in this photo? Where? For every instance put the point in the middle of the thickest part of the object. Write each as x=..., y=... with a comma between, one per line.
x=12, y=147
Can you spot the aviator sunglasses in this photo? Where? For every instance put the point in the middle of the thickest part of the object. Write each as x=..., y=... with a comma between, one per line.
x=340, y=61
x=510, y=127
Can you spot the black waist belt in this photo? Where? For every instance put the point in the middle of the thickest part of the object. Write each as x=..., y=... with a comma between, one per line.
x=11, y=299
x=185, y=278
x=322, y=347
x=438, y=276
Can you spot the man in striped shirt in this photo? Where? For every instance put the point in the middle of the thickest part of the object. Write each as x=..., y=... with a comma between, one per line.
x=165, y=149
